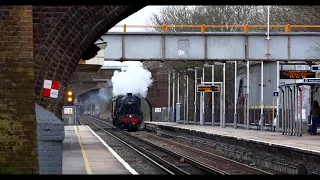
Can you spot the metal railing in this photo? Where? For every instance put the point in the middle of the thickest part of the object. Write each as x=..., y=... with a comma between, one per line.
x=203, y=27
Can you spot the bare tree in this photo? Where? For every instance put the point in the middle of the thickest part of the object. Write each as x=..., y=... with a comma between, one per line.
x=231, y=15
x=210, y=15
x=293, y=15
x=228, y=15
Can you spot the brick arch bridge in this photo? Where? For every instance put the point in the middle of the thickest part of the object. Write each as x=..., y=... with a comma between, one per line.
x=80, y=88
x=82, y=82
x=37, y=43
x=92, y=97
x=62, y=35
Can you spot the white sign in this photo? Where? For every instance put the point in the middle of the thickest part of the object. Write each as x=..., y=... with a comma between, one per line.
x=157, y=109
x=47, y=84
x=315, y=68
x=54, y=93
x=315, y=80
x=67, y=111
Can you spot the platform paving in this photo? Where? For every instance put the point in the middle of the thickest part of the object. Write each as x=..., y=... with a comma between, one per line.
x=84, y=153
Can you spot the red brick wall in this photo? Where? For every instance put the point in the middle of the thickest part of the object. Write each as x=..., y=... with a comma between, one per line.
x=37, y=43
x=18, y=144
x=158, y=92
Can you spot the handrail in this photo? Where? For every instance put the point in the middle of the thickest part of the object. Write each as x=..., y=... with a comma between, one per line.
x=202, y=27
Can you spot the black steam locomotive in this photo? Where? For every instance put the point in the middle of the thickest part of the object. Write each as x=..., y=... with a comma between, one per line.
x=126, y=112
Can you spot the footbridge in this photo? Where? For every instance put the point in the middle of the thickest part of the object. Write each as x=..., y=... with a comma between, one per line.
x=212, y=46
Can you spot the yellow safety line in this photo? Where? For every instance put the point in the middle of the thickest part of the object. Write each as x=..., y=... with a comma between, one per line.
x=85, y=159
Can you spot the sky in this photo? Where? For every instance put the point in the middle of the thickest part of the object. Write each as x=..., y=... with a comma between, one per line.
x=139, y=18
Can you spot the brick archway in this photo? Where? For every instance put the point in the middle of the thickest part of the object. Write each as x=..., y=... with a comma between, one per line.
x=93, y=96
x=81, y=87
x=37, y=43
x=61, y=36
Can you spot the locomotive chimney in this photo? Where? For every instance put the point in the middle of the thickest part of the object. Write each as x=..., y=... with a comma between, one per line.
x=129, y=94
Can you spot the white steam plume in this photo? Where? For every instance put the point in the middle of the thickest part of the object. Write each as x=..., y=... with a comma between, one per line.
x=135, y=79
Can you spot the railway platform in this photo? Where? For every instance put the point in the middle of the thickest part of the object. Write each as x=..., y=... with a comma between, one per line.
x=305, y=143
x=301, y=149
x=84, y=152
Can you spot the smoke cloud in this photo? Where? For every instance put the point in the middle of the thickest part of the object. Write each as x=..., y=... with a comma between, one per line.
x=101, y=96
x=135, y=79
x=104, y=95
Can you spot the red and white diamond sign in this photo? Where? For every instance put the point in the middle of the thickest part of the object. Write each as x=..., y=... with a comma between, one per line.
x=50, y=89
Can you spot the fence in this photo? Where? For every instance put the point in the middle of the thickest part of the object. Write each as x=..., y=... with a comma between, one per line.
x=202, y=28
x=270, y=113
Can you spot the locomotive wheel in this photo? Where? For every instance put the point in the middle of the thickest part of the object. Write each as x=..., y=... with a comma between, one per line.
x=135, y=128
x=121, y=126
x=117, y=124
x=131, y=127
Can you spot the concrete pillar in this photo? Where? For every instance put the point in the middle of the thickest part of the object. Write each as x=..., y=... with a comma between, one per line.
x=50, y=133
x=178, y=108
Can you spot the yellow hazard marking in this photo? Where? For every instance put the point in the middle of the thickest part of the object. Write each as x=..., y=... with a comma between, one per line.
x=86, y=162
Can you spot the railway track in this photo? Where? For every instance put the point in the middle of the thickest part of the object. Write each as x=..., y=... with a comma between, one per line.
x=171, y=162
x=205, y=161
x=225, y=165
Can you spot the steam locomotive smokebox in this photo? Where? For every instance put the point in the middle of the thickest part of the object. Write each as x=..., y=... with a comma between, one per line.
x=50, y=134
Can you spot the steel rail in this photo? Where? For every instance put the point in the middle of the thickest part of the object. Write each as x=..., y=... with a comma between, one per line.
x=188, y=159
x=170, y=168
x=214, y=156
x=192, y=160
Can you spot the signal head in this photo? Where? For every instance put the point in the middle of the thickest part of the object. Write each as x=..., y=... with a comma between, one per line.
x=69, y=93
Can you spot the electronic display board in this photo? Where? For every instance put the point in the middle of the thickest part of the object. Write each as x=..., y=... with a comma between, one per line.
x=296, y=74
x=208, y=88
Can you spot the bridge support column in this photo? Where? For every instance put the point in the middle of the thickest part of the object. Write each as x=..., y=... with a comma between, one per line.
x=178, y=108
x=18, y=152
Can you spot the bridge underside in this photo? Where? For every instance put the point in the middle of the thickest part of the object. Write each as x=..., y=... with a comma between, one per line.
x=296, y=46
x=87, y=68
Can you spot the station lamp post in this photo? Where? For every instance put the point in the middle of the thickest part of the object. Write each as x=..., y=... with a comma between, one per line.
x=212, y=94
x=222, y=111
x=186, y=97
x=196, y=69
x=169, y=95
x=171, y=113
x=180, y=75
